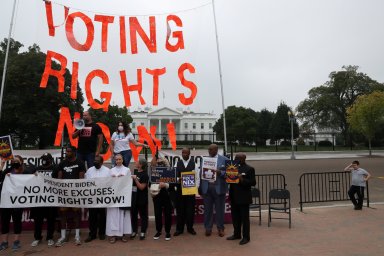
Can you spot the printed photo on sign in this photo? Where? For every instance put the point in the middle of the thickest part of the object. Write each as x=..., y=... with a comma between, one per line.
x=208, y=168
x=6, y=149
x=163, y=174
x=188, y=183
x=232, y=171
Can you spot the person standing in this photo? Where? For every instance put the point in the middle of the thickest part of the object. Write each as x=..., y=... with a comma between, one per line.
x=118, y=220
x=214, y=194
x=241, y=197
x=97, y=216
x=120, y=143
x=17, y=167
x=140, y=198
x=90, y=140
x=48, y=168
x=70, y=168
x=359, y=179
x=185, y=204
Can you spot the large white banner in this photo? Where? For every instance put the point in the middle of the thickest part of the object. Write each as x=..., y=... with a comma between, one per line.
x=20, y=191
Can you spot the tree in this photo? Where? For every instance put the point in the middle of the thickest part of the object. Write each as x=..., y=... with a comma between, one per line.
x=241, y=124
x=31, y=113
x=263, y=123
x=366, y=115
x=280, y=126
x=326, y=105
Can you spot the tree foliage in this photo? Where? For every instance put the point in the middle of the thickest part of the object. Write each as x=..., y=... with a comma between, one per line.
x=29, y=112
x=326, y=105
x=280, y=126
x=366, y=115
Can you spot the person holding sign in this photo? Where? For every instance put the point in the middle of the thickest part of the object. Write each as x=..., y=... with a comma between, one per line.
x=241, y=197
x=90, y=140
x=17, y=167
x=185, y=204
x=70, y=168
x=213, y=189
x=118, y=220
x=48, y=168
x=97, y=216
x=140, y=198
x=161, y=201
x=120, y=143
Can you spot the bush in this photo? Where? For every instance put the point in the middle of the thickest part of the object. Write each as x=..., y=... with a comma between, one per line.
x=285, y=143
x=325, y=143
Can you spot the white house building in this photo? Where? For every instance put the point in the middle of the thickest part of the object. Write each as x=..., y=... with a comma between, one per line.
x=188, y=124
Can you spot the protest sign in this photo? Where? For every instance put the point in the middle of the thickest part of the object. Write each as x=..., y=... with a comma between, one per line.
x=163, y=174
x=231, y=171
x=6, y=149
x=188, y=183
x=209, y=167
x=20, y=191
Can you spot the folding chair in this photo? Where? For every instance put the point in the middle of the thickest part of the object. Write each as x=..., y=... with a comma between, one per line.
x=279, y=202
x=256, y=205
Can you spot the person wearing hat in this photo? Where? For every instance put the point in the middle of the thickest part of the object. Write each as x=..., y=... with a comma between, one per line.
x=48, y=168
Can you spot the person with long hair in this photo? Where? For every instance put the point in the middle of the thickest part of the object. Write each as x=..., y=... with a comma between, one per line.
x=120, y=143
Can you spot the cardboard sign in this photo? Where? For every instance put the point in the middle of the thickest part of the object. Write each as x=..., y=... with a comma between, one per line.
x=232, y=171
x=163, y=174
x=188, y=183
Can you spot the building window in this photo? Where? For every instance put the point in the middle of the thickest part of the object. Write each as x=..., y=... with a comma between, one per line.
x=202, y=126
x=133, y=125
x=185, y=137
x=185, y=125
x=210, y=125
x=194, y=125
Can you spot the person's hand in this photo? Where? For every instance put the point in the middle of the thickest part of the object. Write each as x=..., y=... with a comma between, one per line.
x=133, y=177
x=35, y=173
x=163, y=185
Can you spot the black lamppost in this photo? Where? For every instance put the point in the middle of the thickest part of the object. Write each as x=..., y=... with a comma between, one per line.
x=292, y=119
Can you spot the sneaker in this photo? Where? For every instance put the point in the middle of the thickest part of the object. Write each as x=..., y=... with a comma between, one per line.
x=142, y=236
x=60, y=242
x=133, y=235
x=77, y=241
x=35, y=243
x=3, y=246
x=167, y=236
x=16, y=245
x=157, y=235
x=51, y=242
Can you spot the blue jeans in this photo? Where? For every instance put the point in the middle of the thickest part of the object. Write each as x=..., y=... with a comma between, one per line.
x=127, y=155
x=88, y=158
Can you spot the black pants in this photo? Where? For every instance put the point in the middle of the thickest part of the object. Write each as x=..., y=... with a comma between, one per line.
x=39, y=214
x=163, y=202
x=185, y=211
x=360, y=195
x=97, y=221
x=240, y=217
x=6, y=214
x=142, y=210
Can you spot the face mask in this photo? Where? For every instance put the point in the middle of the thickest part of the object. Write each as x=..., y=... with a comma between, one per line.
x=120, y=128
x=97, y=165
x=15, y=165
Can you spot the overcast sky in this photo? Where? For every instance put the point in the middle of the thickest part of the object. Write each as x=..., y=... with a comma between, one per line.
x=271, y=50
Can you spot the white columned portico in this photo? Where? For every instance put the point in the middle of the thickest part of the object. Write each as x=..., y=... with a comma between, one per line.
x=159, y=126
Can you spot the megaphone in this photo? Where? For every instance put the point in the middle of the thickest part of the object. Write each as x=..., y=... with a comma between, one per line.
x=79, y=124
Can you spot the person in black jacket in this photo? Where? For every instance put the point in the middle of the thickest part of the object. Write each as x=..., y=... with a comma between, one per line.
x=241, y=197
x=185, y=205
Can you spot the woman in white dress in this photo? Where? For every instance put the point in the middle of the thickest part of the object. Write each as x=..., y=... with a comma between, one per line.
x=118, y=220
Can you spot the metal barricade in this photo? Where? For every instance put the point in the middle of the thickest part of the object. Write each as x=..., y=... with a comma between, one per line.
x=266, y=182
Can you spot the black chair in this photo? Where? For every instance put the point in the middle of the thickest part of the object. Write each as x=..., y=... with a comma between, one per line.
x=256, y=205
x=279, y=202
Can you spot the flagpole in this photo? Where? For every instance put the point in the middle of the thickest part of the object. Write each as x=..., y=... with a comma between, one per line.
x=221, y=79
x=6, y=57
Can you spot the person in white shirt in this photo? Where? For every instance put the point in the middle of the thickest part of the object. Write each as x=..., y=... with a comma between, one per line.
x=120, y=143
x=97, y=216
x=118, y=220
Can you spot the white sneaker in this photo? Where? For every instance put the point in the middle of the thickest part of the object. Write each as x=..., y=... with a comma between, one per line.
x=51, y=242
x=77, y=241
x=35, y=243
x=60, y=242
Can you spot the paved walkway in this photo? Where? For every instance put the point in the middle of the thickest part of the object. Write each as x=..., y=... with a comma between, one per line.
x=333, y=231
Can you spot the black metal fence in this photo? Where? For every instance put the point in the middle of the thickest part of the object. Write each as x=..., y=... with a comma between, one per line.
x=326, y=187
x=266, y=182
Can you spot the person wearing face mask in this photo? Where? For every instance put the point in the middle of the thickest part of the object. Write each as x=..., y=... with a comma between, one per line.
x=241, y=197
x=49, y=169
x=97, y=216
x=90, y=140
x=17, y=167
x=120, y=143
